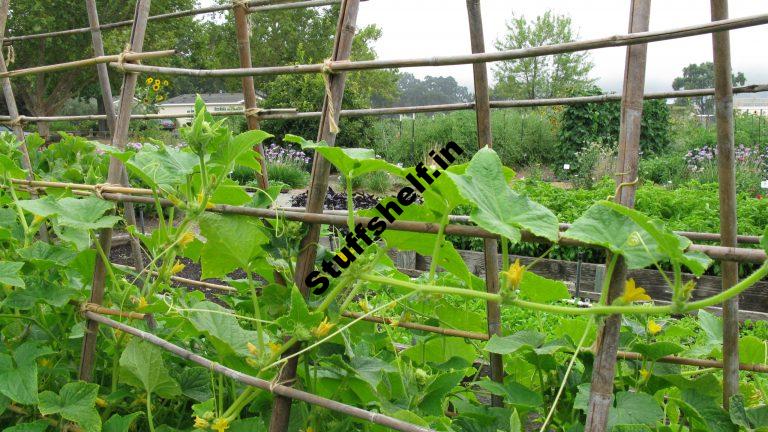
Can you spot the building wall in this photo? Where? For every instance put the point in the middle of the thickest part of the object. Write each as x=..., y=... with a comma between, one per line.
x=190, y=108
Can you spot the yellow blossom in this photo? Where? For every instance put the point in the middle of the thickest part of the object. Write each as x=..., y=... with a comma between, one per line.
x=142, y=303
x=157, y=82
x=645, y=374
x=177, y=267
x=220, y=424
x=633, y=293
x=275, y=347
x=653, y=327
x=156, y=87
x=37, y=219
x=514, y=275
x=160, y=98
x=363, y=303
x=323, y=328
x=44, y=362
x=251, y=362
x=101, y=402
x=209, y=205
x=186, y=239
x=252, y=348
x=165, y=82
x=200, y=197
x=149, y=80
x=201, y=423
x=310, y=429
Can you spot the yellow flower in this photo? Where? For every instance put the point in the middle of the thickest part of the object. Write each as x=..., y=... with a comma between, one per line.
x=149, y=80
x=37, y=219
x=142, y=303
x=323, y=328
x=160, y=98
x=252, y=348
x=201, y=423
x=310, y=429
x=363, y=303
x=178, y=267
x=200, y=197
x=653, y=327
x=275, y=347
x=156, y=87
x=165, y=82
x=645, y=374
x=514, y=275
x=209, y=205
x=157, y=82
x=44, y=362
x=186, y=239
x=101, y=402
x=220, y=424
x=633, y=293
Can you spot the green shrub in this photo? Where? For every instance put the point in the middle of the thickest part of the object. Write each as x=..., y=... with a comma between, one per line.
x=376, y=182
x=665, y=169
x=294, y=176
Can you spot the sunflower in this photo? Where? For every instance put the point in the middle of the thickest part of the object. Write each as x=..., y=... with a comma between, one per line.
x=157, y=82
x=165, y=82
x=149, y=80
x=156, y=87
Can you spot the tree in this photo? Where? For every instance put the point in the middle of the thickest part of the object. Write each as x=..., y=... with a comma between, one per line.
x=540, y=77
x=44, y=94
x=430, y=90
x=699, y=76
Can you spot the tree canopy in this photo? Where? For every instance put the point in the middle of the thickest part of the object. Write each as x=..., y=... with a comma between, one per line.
x=430, y=90
x=699, y=76
x=540, y=77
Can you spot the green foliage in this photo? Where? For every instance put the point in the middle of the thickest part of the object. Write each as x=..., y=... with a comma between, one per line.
x=701, y=76
x=599, y=122
x=540, y=77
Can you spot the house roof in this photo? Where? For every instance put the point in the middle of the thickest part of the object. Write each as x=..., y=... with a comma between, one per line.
x=208, y=98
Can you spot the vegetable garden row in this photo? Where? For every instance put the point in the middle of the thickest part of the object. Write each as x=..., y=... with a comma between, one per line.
x=347, y=351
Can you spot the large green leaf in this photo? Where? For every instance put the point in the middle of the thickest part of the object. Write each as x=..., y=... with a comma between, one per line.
x=162, y=167
x=81, y=214
x=75, y=402
x=221, y=328
x=634, y=409
x=142, y=366
x=195, y=383
x=752, y=350
x=656, y=350
x=232, y=242
x=542, y=290
x=512, y=343
x=498, y=208
x=432, y=398
x=8, y=168
x=18, y=372
x=35, y=426
x=605, y=227
x=513, y=392
x=9, y=273
x=240, y=151
x=704, y=409
x=299, y=320
x=349, y=161
x=44, y=255
x=120, y=423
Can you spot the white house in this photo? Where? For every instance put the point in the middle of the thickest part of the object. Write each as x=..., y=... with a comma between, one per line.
x=184, y=105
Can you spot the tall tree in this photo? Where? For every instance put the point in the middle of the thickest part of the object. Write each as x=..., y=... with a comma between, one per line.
x=540, y=77
x=44, y=94
x=698, y=76
x=430, y=90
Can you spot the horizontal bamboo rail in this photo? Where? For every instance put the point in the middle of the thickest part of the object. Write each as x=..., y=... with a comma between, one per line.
x=292, y=113
x=625, y=355
x=106, y=192
x=296, y=5
x=271, y=387
x=254, y=6
x=128, y=56
x=584, y=45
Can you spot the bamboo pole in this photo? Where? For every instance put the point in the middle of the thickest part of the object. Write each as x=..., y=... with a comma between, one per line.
x=278, y=390
x=254, y=4
x=243, y=35
x=109, y=107
x=607, y=343
x=102, y=59
x=305, y=262
x=292, y=113
x=715, y=252
x=726, y=174
x=636, y=38
x=485, y=138
x=296, y=5
x=119, y=139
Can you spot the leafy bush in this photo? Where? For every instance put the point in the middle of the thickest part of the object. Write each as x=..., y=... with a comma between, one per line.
x=599, y=122
x=377, y=182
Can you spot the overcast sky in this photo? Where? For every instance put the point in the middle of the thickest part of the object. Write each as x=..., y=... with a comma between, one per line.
x=418, y=28
x=421, y=28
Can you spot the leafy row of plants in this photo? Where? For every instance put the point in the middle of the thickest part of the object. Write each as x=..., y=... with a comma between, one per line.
x=434, y=382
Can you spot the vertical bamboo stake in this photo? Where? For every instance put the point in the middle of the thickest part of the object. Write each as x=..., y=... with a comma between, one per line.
x=607, y=343
x=10, y=100
x=485, y=137
x=243, y=32
x=119, y=139
x=109, y=109
x=321, y=168
x=726, y=174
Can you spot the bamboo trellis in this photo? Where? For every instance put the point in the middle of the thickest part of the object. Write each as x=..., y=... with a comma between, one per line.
x=635, y=41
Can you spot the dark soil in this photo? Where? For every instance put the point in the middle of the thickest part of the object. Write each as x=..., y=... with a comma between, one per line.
x=338, y=201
